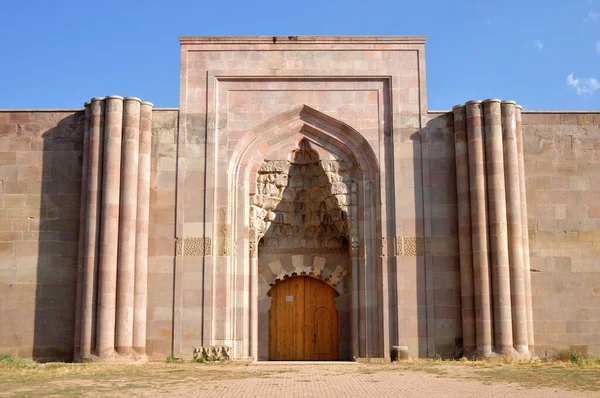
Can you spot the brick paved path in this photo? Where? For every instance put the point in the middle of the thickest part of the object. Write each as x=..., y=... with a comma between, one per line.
x=355, y=381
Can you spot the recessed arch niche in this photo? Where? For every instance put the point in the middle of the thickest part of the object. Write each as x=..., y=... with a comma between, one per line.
x=300, y=213
x=337, y=174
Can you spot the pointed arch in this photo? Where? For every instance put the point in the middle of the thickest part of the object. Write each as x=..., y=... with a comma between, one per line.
x=339, y=141
x=258, y=142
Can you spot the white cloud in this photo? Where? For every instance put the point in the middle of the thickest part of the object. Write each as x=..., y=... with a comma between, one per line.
x=598, y=46
x=538, y=44
x=583, y=86
x=592, y=16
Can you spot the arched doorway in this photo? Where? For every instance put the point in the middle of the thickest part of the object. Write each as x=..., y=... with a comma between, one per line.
x=303, y=321
x=280, y=186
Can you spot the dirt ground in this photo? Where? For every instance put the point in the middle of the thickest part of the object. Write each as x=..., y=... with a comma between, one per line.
x=409, y=379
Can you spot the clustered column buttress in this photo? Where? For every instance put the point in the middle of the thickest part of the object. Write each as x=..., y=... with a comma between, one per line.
x=494, y=253
x=113, y=263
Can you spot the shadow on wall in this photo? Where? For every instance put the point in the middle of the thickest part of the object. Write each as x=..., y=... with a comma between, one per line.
x=57, y=227
x=437, y=262
x=417, y=249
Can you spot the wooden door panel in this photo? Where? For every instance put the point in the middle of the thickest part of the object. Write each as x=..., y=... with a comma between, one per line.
x=321, y=341
x=286, y=321
x=303, y=320
x=322, y=332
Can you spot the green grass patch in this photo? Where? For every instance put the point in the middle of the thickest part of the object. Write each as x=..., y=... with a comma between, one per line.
x=10, y=362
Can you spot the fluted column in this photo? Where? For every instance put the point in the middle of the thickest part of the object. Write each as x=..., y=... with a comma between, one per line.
x=92, y=227
x=524, y=227
x=141, y=247
x=127, y=225
x=515, y=237
x=497, y=226
x=109, y=239
x=464, y=230
x=479, y=228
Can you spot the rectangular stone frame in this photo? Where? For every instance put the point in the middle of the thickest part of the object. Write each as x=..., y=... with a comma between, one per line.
x=200, y=157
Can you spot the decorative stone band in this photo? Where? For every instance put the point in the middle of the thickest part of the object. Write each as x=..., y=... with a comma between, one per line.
x=194, y=246
x=492, y=228
x=404, y=246
x=110, y=321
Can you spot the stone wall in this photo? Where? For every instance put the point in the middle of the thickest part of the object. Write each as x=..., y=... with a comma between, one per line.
x=242, y=101
x=562, y=159
x=161, y=264
x=562, y=165
x=40, y=184
x=443, y=286
x=40, y=171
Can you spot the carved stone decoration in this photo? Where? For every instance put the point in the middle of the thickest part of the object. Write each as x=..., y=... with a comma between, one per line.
x=194, y=247
x=212, y=353
x=227, y=246
x=413, y=246
x=304, y=199
x=299, y=211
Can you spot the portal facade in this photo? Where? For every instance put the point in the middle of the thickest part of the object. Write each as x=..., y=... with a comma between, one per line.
x=302, y=203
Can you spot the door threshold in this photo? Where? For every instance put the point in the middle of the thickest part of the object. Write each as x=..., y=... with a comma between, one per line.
x=304, y=363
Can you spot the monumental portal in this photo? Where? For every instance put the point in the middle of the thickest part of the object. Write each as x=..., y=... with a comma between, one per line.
x=302, y=203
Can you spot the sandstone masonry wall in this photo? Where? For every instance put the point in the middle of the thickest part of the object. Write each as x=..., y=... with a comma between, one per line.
x=562, y=166
x=161, y=243
x=438, y=137
x=40, y=171
x=40, y=184
x=562, y=159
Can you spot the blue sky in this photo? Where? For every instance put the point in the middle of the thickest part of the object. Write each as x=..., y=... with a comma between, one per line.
x=543, y=53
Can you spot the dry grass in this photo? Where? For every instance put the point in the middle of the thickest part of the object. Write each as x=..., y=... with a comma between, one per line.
x=20, y=377
x=561, y=375
x=26, y=378
x=569, y=371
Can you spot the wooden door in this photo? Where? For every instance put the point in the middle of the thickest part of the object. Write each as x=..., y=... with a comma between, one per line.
x=303, y=321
